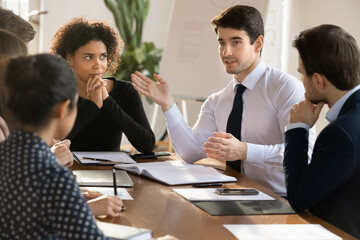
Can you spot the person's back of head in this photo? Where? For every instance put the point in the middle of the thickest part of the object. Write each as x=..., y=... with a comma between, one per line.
x=36, y=85
x=11, y=45
x=241, y=17
x=17, y=25
x=331, y=51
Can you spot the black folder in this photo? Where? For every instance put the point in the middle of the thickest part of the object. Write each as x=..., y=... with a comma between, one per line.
x=231, y=208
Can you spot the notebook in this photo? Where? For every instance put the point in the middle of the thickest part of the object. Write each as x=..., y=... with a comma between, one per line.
x=117, y=231
x=104, y=178
x=176, y=172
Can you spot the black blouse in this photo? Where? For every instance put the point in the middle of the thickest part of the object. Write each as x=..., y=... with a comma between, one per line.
x=101, y=129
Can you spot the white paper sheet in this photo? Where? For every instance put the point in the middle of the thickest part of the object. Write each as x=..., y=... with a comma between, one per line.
x=280, y=231
x=209, y=194
x=121, y=192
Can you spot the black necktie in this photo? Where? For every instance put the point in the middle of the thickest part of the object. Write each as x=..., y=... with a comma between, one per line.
x=234, y=122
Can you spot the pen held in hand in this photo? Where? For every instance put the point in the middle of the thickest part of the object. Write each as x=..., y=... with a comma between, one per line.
x=114, y=178
x=123, y=208
x=115, y=188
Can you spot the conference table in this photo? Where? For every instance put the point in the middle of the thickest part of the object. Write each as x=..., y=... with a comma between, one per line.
x=157, y=207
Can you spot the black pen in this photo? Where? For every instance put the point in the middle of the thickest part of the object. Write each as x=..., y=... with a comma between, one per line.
x=115, y=189
x=96, y=159
x=103, y=161
x=207, y=185
x=114, y=177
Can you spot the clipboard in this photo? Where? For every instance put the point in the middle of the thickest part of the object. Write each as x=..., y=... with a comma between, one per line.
x=102, y=158
x=233, y=208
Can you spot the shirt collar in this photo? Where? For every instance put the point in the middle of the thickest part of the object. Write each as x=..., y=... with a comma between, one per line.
x=252, y=78
x=334, y=111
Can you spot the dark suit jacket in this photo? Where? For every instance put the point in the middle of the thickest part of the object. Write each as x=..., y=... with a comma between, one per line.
x=329, y=187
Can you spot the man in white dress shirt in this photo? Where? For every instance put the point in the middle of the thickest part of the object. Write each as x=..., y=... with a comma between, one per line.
x=268, y=97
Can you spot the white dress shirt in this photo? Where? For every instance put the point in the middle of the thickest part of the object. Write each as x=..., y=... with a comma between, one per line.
x=331, y=115
x=334, y=111
x=269, y=96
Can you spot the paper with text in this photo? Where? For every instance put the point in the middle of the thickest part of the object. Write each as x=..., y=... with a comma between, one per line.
x=209, y=194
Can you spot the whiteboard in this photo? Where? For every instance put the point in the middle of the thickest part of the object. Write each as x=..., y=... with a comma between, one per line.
x=191, y=63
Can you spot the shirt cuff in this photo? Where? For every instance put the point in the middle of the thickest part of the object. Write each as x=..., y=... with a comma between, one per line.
x=255, y=153
x=297, y=125
x=173, y=116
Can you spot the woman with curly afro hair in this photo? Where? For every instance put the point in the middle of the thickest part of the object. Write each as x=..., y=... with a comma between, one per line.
x=107, y=107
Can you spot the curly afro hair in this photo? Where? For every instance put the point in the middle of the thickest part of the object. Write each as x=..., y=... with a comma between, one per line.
x=79, y=31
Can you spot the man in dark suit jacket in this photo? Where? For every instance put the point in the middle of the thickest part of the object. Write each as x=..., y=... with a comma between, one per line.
x=329, y=187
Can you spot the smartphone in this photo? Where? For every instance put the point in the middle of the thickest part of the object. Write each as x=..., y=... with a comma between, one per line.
x=237, y=191
x=150, y=155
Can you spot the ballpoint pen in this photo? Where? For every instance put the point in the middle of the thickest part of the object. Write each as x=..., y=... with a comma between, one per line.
x=114, y=178
x=115, y=188
x=103, y=161
x=207, y=185
x=96, y=159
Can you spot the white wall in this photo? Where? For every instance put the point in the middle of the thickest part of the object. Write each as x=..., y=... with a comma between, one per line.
x=305, y=14
x=59, y=12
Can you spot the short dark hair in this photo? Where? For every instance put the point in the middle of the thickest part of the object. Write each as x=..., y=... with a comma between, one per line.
x=241, y=17
x=11, y=45
x=17, y=25
x=36, y=84
x=79, y=31
x=331, y=51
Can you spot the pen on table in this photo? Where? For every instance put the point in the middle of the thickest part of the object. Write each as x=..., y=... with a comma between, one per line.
x=96, y=159
x=103, y=161
x=207, y=185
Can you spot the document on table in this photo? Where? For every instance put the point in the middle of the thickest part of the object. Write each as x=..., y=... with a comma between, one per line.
x=209, y=194
x=120, y=157
x=102, y=178
x=117, y=231
x=121, y=192
x=176, y=172
x=280, y=231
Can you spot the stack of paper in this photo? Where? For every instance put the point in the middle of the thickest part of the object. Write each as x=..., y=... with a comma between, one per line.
x=121, y=192
x=176, y=172
x=117, y=231
x=280, y=231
